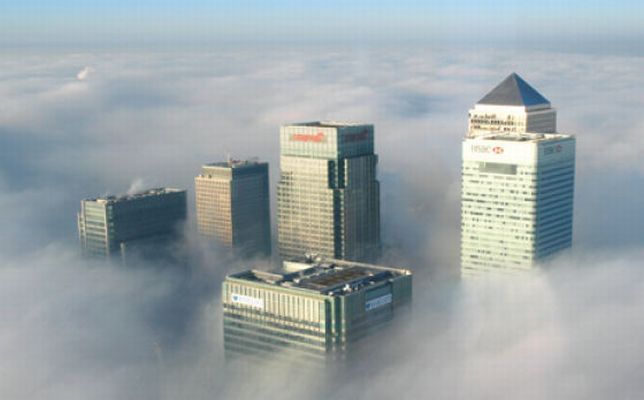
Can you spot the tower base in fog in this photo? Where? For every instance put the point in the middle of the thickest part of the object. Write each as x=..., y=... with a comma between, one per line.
x=312, y=311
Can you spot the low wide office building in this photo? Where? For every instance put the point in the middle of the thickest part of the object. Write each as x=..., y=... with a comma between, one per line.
x=313, y=309
x=141, y=222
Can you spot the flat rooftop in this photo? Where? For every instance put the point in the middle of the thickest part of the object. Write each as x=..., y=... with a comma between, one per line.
x=234, y=163
x=326, y=276
x=520, y=137
x=134, y=196
x=328, y=124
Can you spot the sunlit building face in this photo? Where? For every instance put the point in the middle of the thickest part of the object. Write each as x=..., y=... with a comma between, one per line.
x=518, y=183
x=328, y=195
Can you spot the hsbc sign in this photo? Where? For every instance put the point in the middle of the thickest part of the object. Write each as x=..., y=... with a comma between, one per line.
x=528, y=152
x=479, y=148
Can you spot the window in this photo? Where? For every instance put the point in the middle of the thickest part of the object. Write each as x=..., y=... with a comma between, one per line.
x=497, y=168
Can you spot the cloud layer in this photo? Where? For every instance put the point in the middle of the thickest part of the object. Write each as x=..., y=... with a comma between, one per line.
x=76, y=125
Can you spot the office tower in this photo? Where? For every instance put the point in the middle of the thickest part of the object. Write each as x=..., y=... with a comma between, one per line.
x=233, y=207
x=148, y=220
x=517, y=193
x=315, y=309
x=328, y=196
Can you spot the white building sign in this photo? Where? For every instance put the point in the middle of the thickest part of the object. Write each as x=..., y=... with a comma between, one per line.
x=378, y=302
x=247, y=300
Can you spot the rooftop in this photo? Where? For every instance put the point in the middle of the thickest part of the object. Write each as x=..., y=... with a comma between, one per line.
x=136, y=195
x=514, y=91
x=328, y=124
x=324, y=276
x=522, y=137
x=232, y=163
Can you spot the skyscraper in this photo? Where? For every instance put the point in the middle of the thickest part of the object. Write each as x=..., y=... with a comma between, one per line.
x=107, y=226
x=328, y=196
x=233, y=206
x=313, y=309
x=518, y=186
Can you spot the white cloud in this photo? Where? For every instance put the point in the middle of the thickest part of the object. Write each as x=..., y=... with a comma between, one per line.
x=136, y=186
x=73, y=329
x=159, y=116
x=84, y=73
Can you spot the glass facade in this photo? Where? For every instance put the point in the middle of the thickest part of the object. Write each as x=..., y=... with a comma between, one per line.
x=106, y=225
x=519, y=209
x=328, y=194
x=498, y=119
x=233, y=206
x=517, y=181
x=314, y=313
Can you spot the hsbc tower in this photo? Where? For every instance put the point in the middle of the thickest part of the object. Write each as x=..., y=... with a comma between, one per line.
x=517, y=184
x=328, y=196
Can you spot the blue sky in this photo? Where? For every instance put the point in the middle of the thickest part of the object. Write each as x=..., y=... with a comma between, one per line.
x=385, y=20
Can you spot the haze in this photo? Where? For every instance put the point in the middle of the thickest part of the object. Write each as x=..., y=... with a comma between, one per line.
x=81, y=120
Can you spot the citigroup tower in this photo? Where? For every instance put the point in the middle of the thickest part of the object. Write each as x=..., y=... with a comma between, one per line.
x=328, y=195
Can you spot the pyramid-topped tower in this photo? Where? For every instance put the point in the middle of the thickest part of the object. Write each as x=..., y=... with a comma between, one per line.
x=514, y=91
x=518, y=182
x=513, y=106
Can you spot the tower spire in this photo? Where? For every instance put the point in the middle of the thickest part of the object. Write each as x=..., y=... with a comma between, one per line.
x=514, y=91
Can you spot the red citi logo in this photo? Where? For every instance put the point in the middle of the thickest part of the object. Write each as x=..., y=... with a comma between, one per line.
x=300, y=137
x=497, y=150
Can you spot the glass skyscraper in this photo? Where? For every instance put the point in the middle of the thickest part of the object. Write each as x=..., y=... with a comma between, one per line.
x=233, y=206
x=328, y=195
x=518, y=185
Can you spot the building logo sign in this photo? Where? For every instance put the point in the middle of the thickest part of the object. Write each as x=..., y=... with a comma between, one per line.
x=552, y=149
x=355, y=137
x=378, y=302
x=247, y=300
x=303, y=137
x=479, y=148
